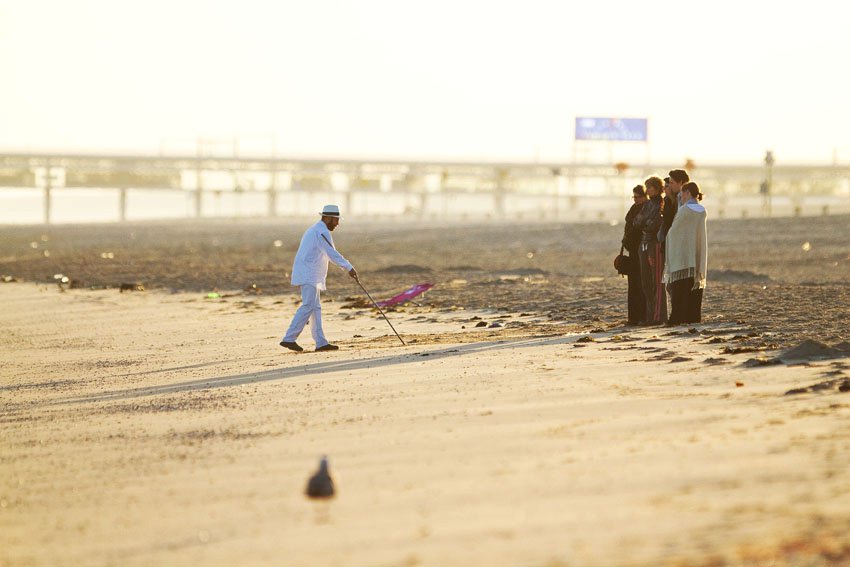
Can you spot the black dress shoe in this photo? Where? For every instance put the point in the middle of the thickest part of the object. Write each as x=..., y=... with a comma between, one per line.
x=291, y=346
x=328, y=346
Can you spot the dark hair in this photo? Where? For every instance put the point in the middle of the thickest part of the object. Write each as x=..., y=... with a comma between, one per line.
x=679, y=175
x=667, y=180
x=654, y=181
x=639, y=190
x=693, y=189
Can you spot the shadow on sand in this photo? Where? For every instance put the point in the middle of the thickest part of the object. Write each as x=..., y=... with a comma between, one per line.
x=319, y=369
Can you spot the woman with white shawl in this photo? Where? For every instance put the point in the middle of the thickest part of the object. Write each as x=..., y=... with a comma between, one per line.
x=686, y=260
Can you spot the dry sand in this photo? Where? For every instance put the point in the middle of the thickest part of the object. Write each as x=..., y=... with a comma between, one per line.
x=167, y=428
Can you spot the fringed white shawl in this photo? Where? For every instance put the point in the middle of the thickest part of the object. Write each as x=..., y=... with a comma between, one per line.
x=686, y=255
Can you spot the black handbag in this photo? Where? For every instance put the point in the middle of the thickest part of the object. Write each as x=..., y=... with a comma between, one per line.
x=622, y=263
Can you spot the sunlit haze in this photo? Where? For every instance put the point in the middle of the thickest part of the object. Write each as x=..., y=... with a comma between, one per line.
x=718, y=81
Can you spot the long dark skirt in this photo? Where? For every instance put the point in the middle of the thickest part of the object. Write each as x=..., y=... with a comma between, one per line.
x=686, y=302
x=637, y=303
x=651, y=270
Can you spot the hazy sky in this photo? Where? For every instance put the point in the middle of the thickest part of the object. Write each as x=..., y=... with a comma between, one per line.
x=719, y=81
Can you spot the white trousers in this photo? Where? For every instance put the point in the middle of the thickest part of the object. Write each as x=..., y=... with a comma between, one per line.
x=310, y=310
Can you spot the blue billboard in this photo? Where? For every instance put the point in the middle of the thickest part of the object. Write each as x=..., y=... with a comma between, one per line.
x=611, y=129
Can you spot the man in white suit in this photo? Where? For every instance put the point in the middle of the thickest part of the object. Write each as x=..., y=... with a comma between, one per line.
x=310, y=272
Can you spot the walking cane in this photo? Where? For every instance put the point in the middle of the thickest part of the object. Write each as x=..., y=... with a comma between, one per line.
x=379, y=309
x=357, y=279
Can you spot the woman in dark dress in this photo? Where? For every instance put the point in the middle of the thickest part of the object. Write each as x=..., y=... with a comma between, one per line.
x=631, y=242
x=649, y=220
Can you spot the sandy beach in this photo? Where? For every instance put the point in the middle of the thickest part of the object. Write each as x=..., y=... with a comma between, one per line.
x=786, y=275
x=166, y=427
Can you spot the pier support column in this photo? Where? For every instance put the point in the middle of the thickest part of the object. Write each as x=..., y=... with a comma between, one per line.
x=499, y=192
x=272, y=202
x=199, y=191
x=122, y=204
x=47, y=204
x=47, y=196
x=198, y=201
x=272, y=196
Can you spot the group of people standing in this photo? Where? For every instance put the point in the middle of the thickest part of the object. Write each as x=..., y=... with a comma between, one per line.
x=665, y=235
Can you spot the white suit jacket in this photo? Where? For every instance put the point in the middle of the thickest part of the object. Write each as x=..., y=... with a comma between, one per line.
x=311, y=260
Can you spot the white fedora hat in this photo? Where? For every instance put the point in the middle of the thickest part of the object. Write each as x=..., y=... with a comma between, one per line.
x=330, y=211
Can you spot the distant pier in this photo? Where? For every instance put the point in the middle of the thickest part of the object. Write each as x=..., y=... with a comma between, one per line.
x=419, y=188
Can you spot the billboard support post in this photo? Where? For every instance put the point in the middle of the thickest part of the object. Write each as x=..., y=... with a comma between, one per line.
x=611, y=131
